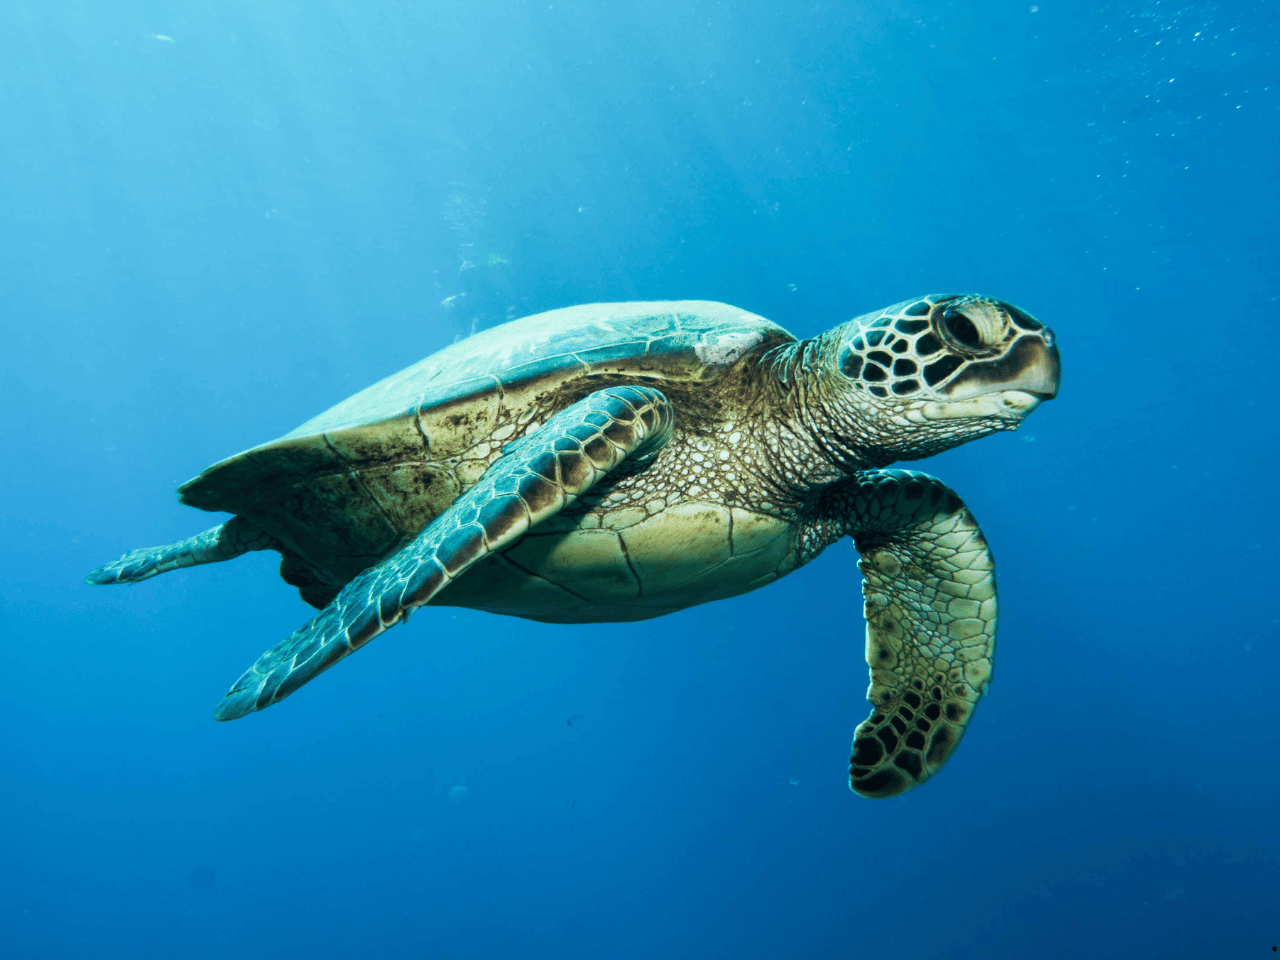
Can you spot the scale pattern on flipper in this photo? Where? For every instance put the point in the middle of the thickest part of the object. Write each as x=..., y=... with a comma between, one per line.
x=535, y=478
x=226, y=541
x=931, y=614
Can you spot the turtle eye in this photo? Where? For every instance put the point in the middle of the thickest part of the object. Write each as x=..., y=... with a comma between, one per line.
x=961, y=329
x=971, y=325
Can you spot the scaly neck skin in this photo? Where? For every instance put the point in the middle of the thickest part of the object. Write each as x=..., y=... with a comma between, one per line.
x=812, y=435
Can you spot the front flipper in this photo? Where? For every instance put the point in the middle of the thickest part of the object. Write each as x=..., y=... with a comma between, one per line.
x=535, y=478
x=930, y=591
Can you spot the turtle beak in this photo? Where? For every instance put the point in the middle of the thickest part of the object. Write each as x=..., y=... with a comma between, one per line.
x=1048, y=367
x=1031, y=365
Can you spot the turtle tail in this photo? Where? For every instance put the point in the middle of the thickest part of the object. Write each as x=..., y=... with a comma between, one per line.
x=223, y=542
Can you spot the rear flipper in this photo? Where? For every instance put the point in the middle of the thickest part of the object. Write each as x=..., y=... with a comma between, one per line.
x=223, y=542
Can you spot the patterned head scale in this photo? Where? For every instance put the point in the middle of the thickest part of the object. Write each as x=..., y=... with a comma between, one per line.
x=949, y=348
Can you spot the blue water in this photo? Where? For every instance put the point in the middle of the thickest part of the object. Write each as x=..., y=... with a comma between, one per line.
x=210, y=235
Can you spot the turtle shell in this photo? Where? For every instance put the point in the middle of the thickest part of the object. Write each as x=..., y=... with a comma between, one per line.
x=351, y=485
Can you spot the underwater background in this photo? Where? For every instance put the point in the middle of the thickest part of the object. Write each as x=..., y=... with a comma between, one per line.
x=218, y=219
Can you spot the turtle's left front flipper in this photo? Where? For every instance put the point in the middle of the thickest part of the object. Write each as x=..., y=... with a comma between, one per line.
x=930, y=591
x=535, y=478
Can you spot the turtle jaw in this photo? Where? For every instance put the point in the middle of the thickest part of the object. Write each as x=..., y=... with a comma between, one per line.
x=1003, y=391
x=1011, y=406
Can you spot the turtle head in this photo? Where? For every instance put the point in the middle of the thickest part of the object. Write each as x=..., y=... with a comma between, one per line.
x=929, y=374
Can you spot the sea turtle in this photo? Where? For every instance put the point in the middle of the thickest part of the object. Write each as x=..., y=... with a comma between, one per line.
x=620, y=461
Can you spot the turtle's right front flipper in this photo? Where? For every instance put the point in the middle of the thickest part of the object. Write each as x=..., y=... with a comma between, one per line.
x=930, y=592
x=535, y=478
x=226, y=541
